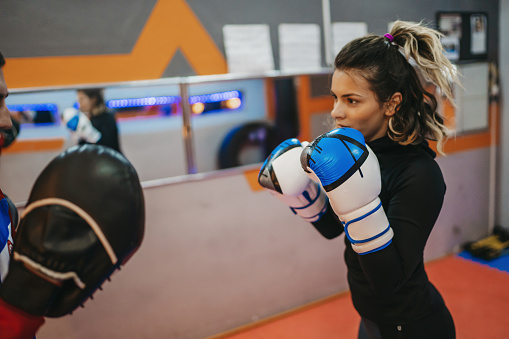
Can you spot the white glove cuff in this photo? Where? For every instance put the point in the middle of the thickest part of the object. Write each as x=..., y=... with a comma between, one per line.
x=367, y=228
x=376, y=244
x=310, y=205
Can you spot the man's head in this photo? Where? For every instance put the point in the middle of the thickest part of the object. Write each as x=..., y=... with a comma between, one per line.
x=5, y=115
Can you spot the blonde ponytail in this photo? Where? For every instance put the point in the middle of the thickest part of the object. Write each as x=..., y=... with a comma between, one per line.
x=423, y=45
x=387, y=63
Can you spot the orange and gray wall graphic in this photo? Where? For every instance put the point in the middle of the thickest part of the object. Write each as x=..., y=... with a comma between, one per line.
x=58, y=43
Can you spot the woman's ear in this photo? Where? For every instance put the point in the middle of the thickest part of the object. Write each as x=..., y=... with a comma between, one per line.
x=391, y=106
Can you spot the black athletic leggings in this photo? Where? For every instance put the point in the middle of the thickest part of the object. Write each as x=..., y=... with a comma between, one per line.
x=438, y=325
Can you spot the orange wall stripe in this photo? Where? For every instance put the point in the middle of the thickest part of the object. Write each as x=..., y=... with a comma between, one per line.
x=34, y=145
x=196, y=45
x=464, y=143
x=475, y=140
x=172, y=25
x=449, y=113
x=304, y=108
x=252, y=179
x=321, y=104
x=308, y=106
x=270, y=94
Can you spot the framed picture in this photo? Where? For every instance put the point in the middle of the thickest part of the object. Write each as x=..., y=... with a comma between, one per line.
x=465, y=35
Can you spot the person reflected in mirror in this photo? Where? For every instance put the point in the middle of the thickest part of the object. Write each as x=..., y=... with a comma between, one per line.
x=93, y=123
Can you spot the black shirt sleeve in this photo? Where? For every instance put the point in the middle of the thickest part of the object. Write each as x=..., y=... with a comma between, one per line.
x=107, y=125
x=412, y=202
x=329, y=225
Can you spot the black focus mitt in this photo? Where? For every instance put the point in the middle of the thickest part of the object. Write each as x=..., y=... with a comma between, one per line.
x=83, y=220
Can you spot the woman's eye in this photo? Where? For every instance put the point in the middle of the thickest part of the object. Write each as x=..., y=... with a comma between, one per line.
x=352, y=101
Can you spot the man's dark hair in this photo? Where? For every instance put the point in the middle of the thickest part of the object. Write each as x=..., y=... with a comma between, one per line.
x=2, y=60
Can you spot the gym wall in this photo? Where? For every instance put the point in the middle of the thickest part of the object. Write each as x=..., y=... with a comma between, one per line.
x=52, y=43
x=219, y=252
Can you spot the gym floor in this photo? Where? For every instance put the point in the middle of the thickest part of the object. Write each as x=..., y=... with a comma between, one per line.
x=476, y=292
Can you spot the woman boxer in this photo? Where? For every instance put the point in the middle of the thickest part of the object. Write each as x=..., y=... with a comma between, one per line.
x=377, y=92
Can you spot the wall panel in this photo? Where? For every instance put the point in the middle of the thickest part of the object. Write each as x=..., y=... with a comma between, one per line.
x=218, y=255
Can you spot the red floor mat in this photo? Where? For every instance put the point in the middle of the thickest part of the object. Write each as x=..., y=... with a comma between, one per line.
x=477, y=296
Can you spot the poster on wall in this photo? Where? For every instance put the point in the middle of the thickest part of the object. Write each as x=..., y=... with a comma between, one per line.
x=344, y=32
x=478, y=34
x=465, y=35
x=248, y=48
x=450, y=25
x=299, y=47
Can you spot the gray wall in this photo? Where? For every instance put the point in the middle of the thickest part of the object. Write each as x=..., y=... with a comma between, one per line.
x=217, y=255
x=378, y=13
x=503, y=165
x=58, y=28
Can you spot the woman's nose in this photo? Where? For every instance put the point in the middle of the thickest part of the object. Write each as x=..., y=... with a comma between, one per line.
x=337, y=111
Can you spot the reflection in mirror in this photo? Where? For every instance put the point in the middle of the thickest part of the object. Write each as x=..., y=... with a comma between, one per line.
x=45, y=113
x=233, y=122
x=150, y=132
x=220, y=110
x=147, y=107
x=150, y=127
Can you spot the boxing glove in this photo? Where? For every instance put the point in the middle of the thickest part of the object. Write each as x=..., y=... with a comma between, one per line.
x=80, y=126
x=85, y=217
x=282, y=175
x=350, y=174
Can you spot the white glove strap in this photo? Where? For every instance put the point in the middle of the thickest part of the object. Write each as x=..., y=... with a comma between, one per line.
x=368, y=228
x=311, y=204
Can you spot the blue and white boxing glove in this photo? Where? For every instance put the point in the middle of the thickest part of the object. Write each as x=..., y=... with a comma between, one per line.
x=350, y=174
x=80, y=126
x=282, y=175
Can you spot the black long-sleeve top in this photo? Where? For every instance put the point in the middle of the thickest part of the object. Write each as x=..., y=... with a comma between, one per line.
x=390, y=286
x=106, y=124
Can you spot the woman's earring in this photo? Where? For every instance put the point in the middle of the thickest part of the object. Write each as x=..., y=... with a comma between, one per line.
x=391, y=119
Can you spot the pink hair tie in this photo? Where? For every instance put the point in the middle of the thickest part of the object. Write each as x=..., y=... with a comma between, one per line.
x=390, y=37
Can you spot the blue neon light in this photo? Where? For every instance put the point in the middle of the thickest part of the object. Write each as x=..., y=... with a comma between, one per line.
x=214, y=97
x=139, y=102
x=166, y=100
x=33, y=107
